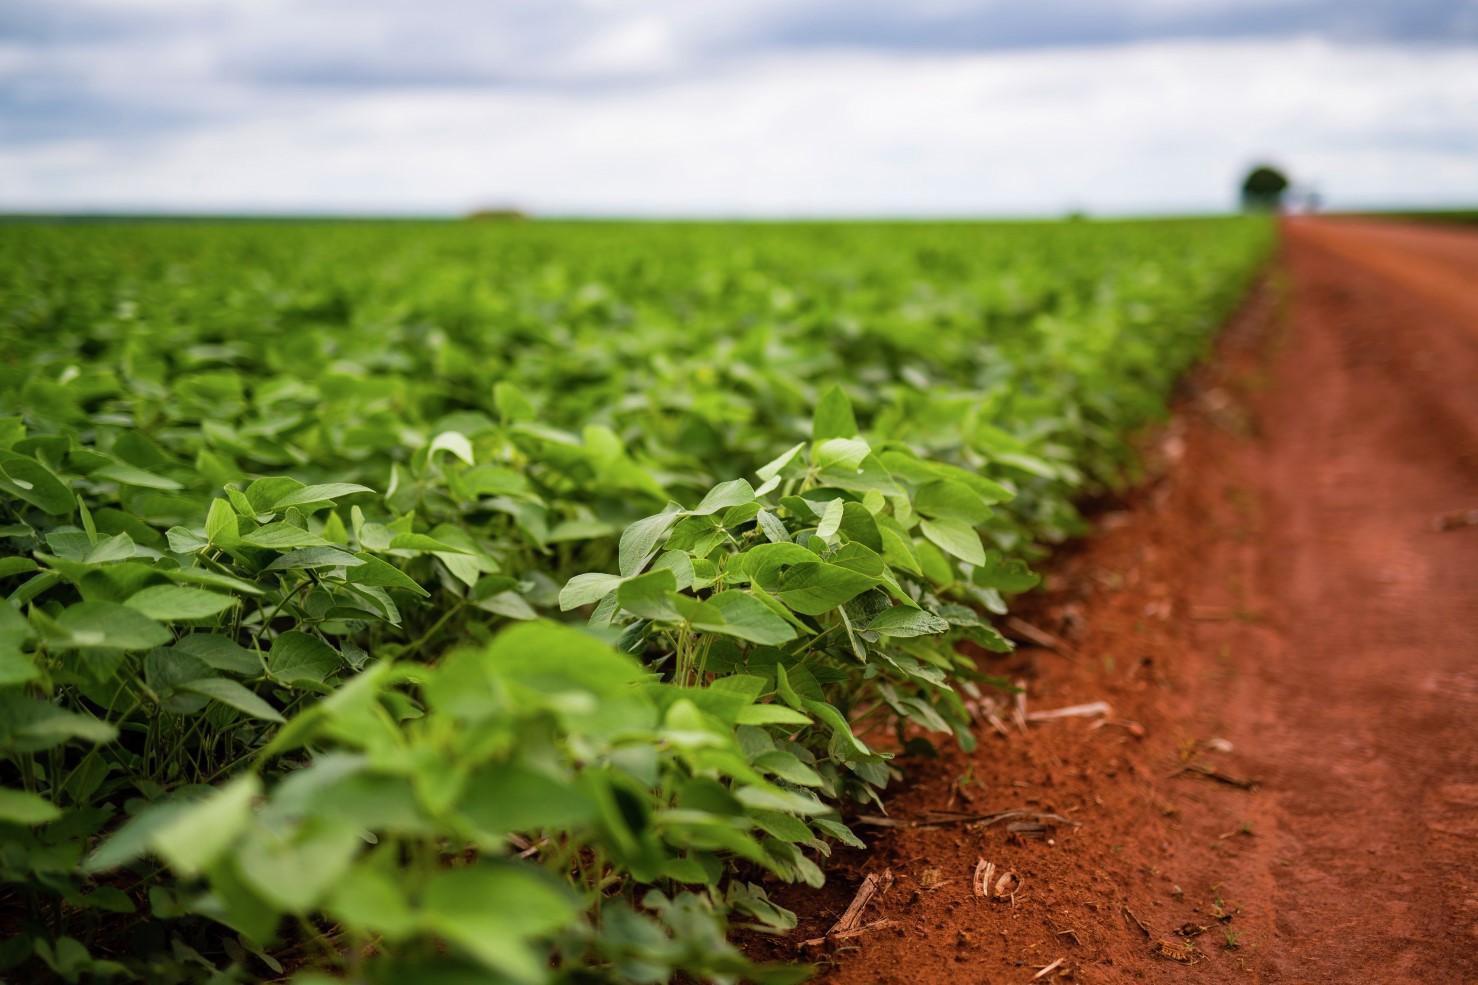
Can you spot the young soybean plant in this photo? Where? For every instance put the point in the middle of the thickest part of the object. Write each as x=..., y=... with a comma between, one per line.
x=832, y=589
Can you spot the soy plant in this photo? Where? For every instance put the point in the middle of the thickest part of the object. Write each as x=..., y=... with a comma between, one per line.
x=133, y=675
x=533, y=810
x=835, y=588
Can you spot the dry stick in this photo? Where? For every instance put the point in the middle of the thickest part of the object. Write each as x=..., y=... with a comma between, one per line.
x=855, y=932
x=1072, y=711
x=871, y=886
x=1040, y=637
x=1137, y=922
x=1049, y=969
x=940, y=819
x=1197, y=769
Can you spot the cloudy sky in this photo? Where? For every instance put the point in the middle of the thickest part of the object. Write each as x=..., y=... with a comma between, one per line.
x=731, y=107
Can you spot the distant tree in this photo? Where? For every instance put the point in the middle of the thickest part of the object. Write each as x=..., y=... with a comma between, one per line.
x=1263, y=188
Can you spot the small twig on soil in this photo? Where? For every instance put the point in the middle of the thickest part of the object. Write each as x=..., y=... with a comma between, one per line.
x=1452, y=520
x=874, y=883
x=1072, y=711
x=1138, y=923
x=1133, y=728
x=1019, y=706
x=1049, y=969
x=1198, y=769
x=940, y=819
x=843, y=935
x=1040, y=637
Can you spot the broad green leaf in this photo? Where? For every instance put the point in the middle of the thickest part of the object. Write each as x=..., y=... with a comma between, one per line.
x=220, y=653
x=315, y=557
x=326, y=492
x=831, y=520
x=35, y=724
x=20, y=807
x=194, y=837
x=724, y=495
x=840, y=453
x=833, y=417
x=747, y=618
x=172, y=603
x=299, y=657
x=904, y=621
x=382, y=574
x=119, y=547
x=772, y=469
x=955, y=537
x=587, y=589
x=33, y=482
x=12, y=566
x=816, y=587
x=133, y=476
x=229, y=692
x=639, y=541
x=1004, y=574
x=452, y=442
x=493, y=911
x=220, y=524
x=647, y=595
x=111, y=625
x=949, y=500
x=282, y=537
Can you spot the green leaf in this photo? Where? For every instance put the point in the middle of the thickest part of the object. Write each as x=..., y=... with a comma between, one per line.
x=902, y=620
x=20, y=807
x=955, y=537
x=771, y=469
x=194, y=837
x=220, y=524
x=950, y=500
x=12, y=566
x=132, y=476
x=453, y=442
x=119, y=547
x=111, y=625
x=33, y=482
x=639, y=541
x=493, y=910
x=327, y=492
x=282, y=537
x=648, y=595
x=815, y=587
x=747, y=618
x=724, y=495
x=220, y=653
x=228, y=692
x=587, y=589
x=842, y=454
x=172, y=603
x=831, y=520
x=1004, y=574
x=298, y=657
x=833, y=417
x=382, y=574
x=34, y=724
x=315, y=557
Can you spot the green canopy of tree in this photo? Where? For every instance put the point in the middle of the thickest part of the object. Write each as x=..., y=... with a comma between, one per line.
x=1263, y=188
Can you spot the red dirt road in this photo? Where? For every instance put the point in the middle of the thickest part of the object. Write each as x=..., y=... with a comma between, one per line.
x=1278, y=585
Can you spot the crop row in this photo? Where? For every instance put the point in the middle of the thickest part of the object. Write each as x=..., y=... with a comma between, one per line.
x=417, y=602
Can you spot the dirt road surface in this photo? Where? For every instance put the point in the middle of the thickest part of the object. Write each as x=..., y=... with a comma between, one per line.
x=1275, y=608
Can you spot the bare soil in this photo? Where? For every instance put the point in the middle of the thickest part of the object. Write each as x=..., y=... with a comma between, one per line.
x=1274, y=608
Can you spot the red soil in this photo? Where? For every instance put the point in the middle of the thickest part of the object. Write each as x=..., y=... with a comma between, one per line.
x=1278, y=584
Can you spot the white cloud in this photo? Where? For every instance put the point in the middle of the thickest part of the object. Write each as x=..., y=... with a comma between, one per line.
x=1162, y=126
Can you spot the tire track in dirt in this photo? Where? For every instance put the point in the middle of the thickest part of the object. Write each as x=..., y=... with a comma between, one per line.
x=1277, y=583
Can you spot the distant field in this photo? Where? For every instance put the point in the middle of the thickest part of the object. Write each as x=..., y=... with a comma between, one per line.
x=273, y=494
